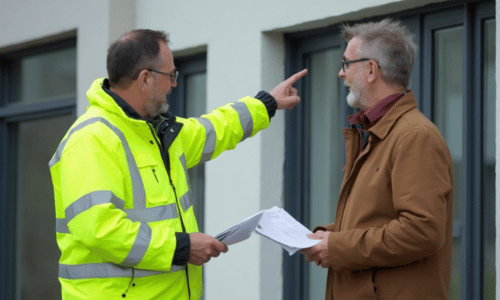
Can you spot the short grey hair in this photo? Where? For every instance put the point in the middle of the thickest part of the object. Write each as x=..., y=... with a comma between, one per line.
x=390, y=44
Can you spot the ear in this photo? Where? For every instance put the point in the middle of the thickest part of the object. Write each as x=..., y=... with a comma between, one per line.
x=373, y=70
x=145, y=80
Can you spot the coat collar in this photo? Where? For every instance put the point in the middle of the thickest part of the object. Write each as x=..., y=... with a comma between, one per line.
x=383, y=127
x=99, y=95
x=127, y=109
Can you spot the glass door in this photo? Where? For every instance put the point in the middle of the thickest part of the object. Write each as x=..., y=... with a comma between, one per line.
x=325, y=149
x=448, y=112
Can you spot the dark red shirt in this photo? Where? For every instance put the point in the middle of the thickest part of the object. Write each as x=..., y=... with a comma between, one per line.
x=365, y=119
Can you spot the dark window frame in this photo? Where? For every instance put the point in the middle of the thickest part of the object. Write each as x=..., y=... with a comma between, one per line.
x=10, y=114
x=187, y=66
x=422, y=21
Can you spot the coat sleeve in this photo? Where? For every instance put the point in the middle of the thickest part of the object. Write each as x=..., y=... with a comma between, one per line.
x=206, y=137
x=329, y=227
x=421, y=183
x=93, y=186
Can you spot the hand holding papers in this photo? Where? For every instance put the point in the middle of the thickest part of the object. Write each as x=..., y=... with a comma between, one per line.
x=275, y=224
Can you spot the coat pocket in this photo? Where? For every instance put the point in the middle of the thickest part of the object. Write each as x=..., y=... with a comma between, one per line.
x=155, y=179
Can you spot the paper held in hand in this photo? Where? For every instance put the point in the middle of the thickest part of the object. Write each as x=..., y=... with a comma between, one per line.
x=240, y=231
x=275, y=224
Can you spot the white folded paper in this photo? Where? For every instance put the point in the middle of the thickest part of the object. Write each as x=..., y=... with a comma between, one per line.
x=275, y=224
x=240, y=231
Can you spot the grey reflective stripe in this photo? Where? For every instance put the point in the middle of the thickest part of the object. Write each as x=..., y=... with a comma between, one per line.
x=137, y=186
x=140, y=246
x=245, y=119
x=153, y=214
x=184, y=165
x=186, y=200
x=61, y=226
x=106, y=270
x=210, y=138
x=90, y=200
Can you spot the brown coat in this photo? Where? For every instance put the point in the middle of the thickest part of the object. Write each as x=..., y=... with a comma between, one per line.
x=392, y=238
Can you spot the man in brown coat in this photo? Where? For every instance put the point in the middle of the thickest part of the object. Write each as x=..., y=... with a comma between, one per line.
x=392, y=238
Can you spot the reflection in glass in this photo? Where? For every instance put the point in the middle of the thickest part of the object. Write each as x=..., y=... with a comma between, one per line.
x=489, y=99
x=326, y=150
x=448, y=109
x=44, y=77
x=196, y=94
x=37, y=252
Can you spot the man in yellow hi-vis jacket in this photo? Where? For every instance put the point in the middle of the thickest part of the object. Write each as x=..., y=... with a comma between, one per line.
x=125, y=223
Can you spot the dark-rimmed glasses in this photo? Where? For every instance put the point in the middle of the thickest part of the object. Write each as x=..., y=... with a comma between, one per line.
x=345, y=63
x=173, y=77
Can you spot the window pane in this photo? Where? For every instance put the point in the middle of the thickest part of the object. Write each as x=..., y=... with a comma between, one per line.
x=37, y=252
x=44, y=77
x=326, y=149
x=489, y=89
x=448, y=101
x=195, y=106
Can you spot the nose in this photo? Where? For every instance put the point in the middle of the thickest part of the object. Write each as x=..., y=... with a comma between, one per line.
x=173, y=84
x=341, y=73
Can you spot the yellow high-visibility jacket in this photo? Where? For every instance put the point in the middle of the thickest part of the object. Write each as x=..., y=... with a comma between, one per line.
x=120, y=198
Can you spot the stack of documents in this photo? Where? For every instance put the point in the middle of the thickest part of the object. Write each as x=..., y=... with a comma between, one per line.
x=240, y=231
x=275, y=224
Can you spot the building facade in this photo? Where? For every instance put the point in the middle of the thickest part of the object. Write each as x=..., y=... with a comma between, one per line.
x=51, y=51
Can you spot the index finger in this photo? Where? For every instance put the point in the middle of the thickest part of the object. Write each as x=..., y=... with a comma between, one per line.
x=292, y=79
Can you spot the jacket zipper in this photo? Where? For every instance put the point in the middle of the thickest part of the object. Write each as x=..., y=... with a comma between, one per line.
x=166, y=161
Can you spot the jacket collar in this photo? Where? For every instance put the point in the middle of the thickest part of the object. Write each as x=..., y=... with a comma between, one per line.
x=383, y=127
x=167, y=118
x=100, y=94
x=127, y=109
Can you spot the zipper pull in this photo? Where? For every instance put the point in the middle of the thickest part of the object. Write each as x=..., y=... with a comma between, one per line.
x=155, y=176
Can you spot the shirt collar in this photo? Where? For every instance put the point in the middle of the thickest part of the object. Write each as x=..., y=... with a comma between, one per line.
x=369, y=117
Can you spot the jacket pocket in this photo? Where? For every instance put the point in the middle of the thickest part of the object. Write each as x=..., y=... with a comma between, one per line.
x=154, y=178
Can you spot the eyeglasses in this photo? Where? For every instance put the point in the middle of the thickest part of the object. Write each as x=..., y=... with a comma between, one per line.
x=345, y=63
x=173, y=77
